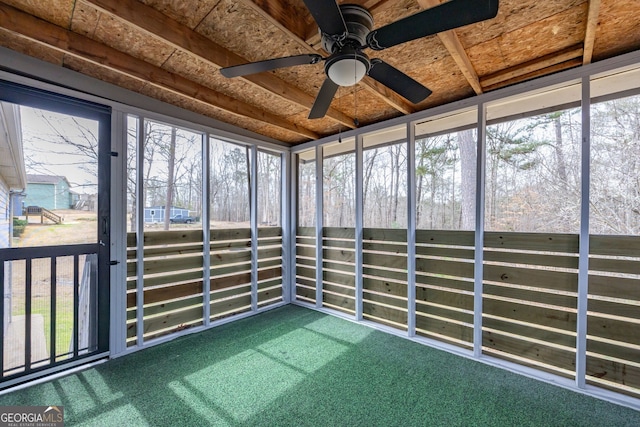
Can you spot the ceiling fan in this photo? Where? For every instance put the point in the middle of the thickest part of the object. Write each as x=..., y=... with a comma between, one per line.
x=346, y=30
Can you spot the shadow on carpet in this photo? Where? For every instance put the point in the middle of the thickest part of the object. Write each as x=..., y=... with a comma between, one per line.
x=296, y=367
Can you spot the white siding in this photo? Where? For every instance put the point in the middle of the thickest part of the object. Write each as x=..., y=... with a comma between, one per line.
x=5, y=215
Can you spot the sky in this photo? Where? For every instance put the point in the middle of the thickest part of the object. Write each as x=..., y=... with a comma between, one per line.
x=46, y=152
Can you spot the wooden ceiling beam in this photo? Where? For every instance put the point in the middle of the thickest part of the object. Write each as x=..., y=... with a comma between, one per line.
x=387, y=95
x=181, y=37
x=284, y=17
x=590, y=32
x=452, y=43
x=572, y=63
x=517, y=71
x=84, y=48
x=390, y=98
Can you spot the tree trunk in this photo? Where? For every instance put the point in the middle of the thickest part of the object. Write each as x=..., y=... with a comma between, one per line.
x=367, y=177
x=562, y=165
x=171, y=165
x=467, y=145
x=396, y=183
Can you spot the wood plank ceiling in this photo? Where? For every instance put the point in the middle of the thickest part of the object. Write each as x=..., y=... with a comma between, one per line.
x=172, y=49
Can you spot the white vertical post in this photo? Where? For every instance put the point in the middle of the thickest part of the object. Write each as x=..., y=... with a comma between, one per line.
x=478, y=270
x=293, y=222
x=254, y=227
x=288, y=262
x=583, y=263
x=319, y=222
x=118, y=294
x=140, y=232
x=359, y=226
x=411, y=230
x=206, y=233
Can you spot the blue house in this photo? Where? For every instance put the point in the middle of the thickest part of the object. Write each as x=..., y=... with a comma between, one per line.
x=156, y=213
x=49, y=192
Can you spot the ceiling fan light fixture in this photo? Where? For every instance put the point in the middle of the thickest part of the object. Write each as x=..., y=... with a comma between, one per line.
x=347, y=71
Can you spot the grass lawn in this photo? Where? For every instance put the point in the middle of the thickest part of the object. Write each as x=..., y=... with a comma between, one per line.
x=64, y=321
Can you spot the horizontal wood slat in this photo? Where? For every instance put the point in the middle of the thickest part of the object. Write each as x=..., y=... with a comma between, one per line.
x=229, y=234
x=445, y=237
x=338, y=302
x=173, y=320
x=264, y=232
x=306, y=271
x=339, y=255
x=338, y=266
x=614, y=329
x=339, y=233
x=166, y=293
x=445, y=314
x=381, y=273
x=396, y=317
x=625, y=266
x=307, y=294
x=229, y=307
x=170, y=237
x=395, y=248
x=172, y=264
x=166, y=279
x=615, y=371
x=614, y=287
x=620, y=308
x=444, y=252
x=339, y=289
x=530, y=295
x=432, y=325
x=545, y=260
x=539, y=278
x=535, y=332
x=384, y=234
x=387, y=260
x=538, y=353
x=564, y=243
x=385, y=287
x=444, y=267
x=334, y=244
x=530, y=314
x=386, y=300
x=309, y=283
x=229, y=257
x=223, y=282
x=340, y=278
x=456, y=300
x=306, y=231
x=626, y=246
x=428, y=281
x=306, y=262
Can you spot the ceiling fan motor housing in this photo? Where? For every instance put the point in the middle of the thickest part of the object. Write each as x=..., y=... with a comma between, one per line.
x=359, y=23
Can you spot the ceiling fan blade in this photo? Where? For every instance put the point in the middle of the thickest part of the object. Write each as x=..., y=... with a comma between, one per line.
x=323, y=100
x=446, y=16
x=328, y=16
x=398, y=81
x=269, y=64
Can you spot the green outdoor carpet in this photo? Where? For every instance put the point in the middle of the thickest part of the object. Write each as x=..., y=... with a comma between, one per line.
x=297, y=367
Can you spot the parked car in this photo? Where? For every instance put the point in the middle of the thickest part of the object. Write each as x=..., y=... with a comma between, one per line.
x=181, y=219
